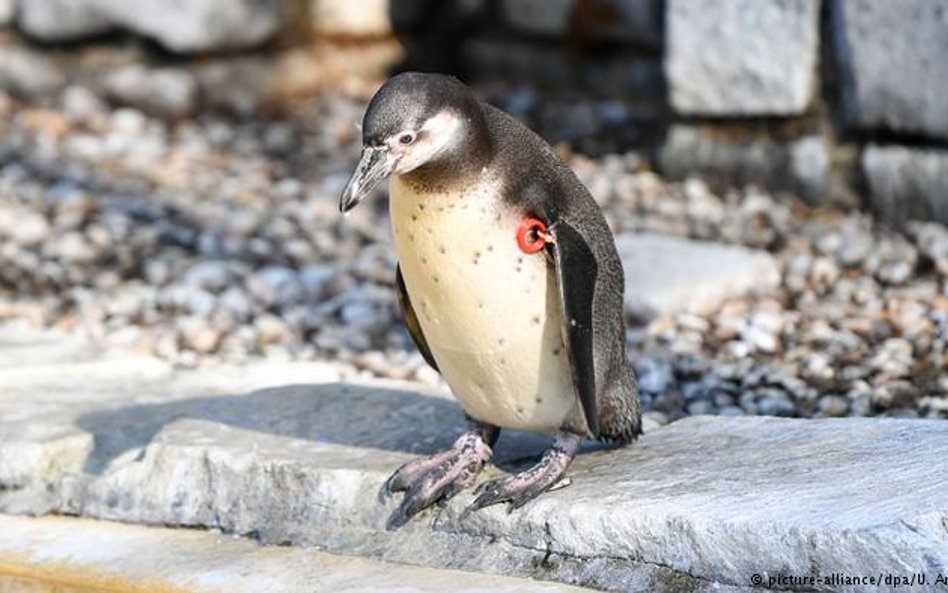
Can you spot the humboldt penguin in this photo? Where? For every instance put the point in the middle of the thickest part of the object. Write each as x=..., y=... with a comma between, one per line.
x=509, y=282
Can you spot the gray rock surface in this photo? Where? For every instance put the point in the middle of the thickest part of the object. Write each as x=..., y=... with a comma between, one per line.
x=28, y=73
x=542, y=17
x=166, y=92
x=809, y=167
x=197, y=25
x=907, y=183
x=690, y=150
x=743, y=58
x=892, y=63
x=666, y=275
x=628, y=21
x=637, y=78
x=702, y=504
x=97, y=554
x=728, y=157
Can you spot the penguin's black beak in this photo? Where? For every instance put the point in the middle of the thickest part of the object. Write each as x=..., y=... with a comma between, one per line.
x=375, y=165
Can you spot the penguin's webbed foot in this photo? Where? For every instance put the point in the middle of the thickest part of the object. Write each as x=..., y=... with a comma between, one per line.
x=440, y=476
x=519, y=489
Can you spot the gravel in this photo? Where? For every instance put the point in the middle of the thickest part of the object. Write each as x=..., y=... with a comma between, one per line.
x=215, y=237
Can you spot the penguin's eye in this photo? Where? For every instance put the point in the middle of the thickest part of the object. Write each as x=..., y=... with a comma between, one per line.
x=406, y=138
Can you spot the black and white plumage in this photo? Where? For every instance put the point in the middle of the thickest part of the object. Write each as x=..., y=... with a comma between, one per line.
x=509, y=281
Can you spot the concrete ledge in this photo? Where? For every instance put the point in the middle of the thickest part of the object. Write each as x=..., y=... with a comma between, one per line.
x=100, y=556
x=702, y=503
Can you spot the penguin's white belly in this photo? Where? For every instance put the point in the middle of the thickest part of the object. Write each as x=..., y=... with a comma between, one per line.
x=489, y=312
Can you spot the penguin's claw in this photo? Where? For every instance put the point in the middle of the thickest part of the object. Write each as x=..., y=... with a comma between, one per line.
x=519, y=489
x=412, y=472
x=436, y=478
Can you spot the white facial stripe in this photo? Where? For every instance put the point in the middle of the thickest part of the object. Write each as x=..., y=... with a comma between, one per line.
x=438, y=135
x=444, y=125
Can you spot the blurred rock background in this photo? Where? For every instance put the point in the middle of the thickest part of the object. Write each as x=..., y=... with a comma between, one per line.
x=819, y=97
x=776, y=171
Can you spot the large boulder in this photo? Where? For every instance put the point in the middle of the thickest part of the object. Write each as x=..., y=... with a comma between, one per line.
x=891, y=55
x=741, y=57
x=196, y=25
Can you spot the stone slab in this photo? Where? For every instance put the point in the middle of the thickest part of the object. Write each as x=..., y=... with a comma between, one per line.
x=907, y=183
x=198, y=25
x=893, y=71
x=637, y=22
x=665, y=275
x=97, y=555
x=638, y=79
x=48, y=380
x=741, y=57
x=702, y=504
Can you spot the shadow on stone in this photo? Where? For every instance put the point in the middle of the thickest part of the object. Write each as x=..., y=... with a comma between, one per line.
x=342, y=414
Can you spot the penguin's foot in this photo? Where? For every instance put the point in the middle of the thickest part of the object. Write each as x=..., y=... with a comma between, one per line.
x=519, y=489
x=440, y=476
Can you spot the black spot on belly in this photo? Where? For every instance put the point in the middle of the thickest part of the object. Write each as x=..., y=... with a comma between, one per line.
x=441, y=249
x=435, y=279
x=536, y=319
x=520, y=409
x=500, y=341
x=556, y=351
x=539, y=400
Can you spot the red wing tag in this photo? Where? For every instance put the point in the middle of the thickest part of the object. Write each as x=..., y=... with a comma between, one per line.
x=532, y=236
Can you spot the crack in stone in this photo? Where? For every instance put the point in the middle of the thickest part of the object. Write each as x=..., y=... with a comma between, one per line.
x=548, y=552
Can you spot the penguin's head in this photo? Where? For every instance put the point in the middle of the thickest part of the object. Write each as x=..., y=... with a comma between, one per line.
x=414, y=120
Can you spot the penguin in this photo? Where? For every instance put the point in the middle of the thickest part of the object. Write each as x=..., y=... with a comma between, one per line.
x=509, y=283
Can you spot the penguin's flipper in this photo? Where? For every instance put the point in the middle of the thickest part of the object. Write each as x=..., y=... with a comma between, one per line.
x=411, y=320
x=576, y=271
